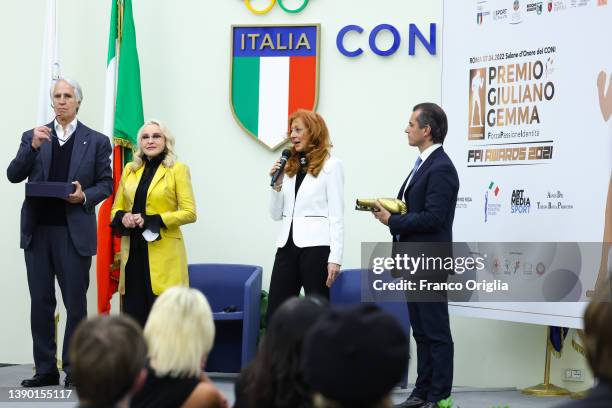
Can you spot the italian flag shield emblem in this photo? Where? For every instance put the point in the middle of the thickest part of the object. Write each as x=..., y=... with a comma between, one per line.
x=274, y=72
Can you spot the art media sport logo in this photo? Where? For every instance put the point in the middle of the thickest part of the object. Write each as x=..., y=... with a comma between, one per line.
x=492, y=205
x=478, y=89
x=520, y=203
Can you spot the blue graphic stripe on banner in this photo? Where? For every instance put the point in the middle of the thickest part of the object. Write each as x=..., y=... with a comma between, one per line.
x=287, y=41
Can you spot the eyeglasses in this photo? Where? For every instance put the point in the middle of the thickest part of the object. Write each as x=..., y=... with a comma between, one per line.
x=155, y=136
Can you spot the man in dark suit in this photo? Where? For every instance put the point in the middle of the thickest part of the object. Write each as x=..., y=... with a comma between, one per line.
x=430, y=192
x=59, y=235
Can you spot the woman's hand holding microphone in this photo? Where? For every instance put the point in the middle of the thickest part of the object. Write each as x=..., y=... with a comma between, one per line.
x=279, y=181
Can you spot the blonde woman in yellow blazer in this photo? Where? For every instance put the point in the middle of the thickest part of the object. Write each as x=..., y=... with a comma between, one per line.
x=153, y=200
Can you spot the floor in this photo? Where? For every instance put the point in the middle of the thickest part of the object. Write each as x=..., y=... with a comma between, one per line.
x=11, y=376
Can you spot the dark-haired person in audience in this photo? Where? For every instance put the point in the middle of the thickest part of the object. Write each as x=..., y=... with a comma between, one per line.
x=353, y=357
x=179, y=332
x=108, y=355
x=274, y=378
x=598, y=347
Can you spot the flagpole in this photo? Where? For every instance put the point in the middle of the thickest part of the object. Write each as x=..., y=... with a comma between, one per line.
x=50, y=67
x=49, y=73
x=123, y=117
x=546, y=389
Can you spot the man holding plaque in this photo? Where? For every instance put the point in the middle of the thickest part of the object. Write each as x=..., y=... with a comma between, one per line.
x=68, y=169
x=430, y=193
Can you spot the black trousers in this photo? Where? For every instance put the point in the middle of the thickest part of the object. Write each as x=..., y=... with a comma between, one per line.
x=139, y=297
x=434, y=343
x=52, y=253
x=295, y=268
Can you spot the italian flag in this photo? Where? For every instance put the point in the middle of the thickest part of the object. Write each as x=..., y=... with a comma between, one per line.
x=274, y=73
x=123, y=116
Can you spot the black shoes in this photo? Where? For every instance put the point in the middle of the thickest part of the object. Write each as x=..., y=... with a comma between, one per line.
x=41, y=380
x=68, y=381
x=413, y=402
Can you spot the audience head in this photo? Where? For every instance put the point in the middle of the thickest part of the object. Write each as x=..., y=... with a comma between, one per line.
x=289, y=325
x=598, y=333
x=353, y=357
x=179, y=332
x=274, y=378
x=108, y=355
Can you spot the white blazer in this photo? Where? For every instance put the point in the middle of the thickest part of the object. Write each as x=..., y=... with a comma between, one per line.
x=317, y=212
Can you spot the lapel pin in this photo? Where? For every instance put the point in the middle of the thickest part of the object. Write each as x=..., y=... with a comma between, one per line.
x=85, y=142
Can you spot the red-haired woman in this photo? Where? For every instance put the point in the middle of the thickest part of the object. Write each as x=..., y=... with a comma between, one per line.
x=309, y=201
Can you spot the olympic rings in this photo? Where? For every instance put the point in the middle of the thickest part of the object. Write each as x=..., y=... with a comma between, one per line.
x=262, y=11
x=297, y=10
x=270, y=6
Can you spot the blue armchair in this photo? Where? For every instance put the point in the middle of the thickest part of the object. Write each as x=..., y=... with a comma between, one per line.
x=347, y=290
x=230, y=286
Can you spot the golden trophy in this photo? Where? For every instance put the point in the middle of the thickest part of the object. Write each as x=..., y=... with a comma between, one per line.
x=393, y=205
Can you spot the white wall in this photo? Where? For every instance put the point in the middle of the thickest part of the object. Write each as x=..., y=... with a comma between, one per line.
x=184, y=57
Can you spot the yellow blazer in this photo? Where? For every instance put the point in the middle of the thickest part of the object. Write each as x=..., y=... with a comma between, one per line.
x=170, y=195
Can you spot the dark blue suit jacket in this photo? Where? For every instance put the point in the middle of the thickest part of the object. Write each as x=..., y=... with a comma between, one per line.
x=89, y=165
x=431, y=197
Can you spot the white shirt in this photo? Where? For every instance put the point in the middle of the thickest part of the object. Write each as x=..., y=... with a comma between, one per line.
x=62, y=137
x=424, y=155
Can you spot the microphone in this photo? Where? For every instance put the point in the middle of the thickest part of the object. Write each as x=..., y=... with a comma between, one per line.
x=283, y=160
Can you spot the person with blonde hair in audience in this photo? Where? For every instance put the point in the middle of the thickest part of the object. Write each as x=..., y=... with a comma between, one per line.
x=108, y=355
x=179, y=333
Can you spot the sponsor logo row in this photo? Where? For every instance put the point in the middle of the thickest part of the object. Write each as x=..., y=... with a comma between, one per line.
x=517, y=201
x=517, y=10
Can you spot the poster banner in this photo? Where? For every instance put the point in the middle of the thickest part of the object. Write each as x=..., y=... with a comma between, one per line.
x=527, y=89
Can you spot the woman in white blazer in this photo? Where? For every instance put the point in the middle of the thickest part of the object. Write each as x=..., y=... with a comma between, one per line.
x=308, y=199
